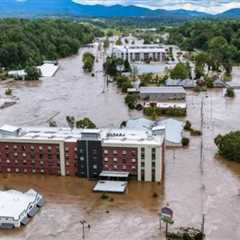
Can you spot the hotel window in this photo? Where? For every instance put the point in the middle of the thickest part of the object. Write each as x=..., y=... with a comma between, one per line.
x=115, y=152
x=41, y=156
x=75, y=149
x=105, y=151
x=33, y=171
x=106, y=166
x=8, y=161
x=66, y=149
x=6, y=147
x=81, y=150
x=105, y=159
x=67, y=172
x=25, y=170
x=133, y=160
x=49, y=148
x=15, y=154
x=16, y=161
x=8, y=169
x=42, y=170
x=24, y=161
x=94, y=151
x=95, y=166
x=82, y=158
x=124, y=167
x=17, y=169
x=24, y=154
x=115, y=159
x=124, y=152
x=40, y=148
x=32, y=147
x=133, y=167
x=67, y=163
x=15, y=147
x=153, y=154
x=41, y=162
x=142, y=153
x=115, y=166
x=23, y=148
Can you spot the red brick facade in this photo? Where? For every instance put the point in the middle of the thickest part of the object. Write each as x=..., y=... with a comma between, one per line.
x=120, y=159
x=70, y=158
x=29, y=158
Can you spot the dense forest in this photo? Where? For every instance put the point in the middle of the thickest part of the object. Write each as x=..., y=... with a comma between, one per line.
x=220, y=39
x=29, y=42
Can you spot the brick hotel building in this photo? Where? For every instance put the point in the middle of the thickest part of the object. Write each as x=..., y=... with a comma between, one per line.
x=81, y=152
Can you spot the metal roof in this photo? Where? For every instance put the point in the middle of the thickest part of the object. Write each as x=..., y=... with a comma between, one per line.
x=114, y=174
x=159, y=90
x=9, y=128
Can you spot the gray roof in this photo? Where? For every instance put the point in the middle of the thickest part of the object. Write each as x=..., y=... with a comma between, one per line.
x=140, y=123
x=160, y=90
x=187, y=83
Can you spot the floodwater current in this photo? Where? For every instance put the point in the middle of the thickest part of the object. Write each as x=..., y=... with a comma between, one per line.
x=192, y=185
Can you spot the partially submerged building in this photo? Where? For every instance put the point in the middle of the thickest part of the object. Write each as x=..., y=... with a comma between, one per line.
x=140, y=53
x=162, y=93
x=17, y=208
x=171, y=128
x=81, y=152
x=186, y=83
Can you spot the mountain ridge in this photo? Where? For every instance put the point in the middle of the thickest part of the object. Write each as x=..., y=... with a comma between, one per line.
x=31, y=8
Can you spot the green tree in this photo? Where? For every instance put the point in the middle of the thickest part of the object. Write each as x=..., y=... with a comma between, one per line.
x=229, y=146
x=85, y=123
x=33, y=73
x=180, y=71
x=131, y=100
x=88, y=61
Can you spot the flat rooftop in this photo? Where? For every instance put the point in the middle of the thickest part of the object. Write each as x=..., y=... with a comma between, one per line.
x=110, y=186
x=140, y=48
x=108, y=136
x=13, y=204
x=149, y=90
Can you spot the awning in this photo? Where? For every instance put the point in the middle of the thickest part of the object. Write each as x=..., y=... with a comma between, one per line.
x=7, y=226
x=40, y=202
x=33, y=211
x=110, y=186
x=25, y=221
x=114, y=174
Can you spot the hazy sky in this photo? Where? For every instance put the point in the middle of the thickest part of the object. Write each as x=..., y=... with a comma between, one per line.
x=211, y=6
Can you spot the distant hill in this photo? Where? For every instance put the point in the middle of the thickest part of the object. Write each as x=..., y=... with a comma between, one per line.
x=29, y=8
x=32, y=8
x=235, y=12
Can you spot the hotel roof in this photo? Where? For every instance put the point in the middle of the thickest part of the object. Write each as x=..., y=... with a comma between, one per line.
x=115, y=136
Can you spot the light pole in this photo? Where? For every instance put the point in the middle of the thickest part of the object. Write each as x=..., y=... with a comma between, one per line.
x=83, y=222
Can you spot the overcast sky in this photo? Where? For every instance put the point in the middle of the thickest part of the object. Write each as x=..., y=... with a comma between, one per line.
x=210, y=6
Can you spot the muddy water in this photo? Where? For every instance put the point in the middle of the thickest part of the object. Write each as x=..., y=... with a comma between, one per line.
x=192, y=185
x=69, y=92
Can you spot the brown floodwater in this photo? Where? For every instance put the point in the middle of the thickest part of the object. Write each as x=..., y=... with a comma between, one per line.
x=192, y=186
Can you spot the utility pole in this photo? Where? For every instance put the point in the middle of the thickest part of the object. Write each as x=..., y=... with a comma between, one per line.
x=203, y=224
x=83, y=222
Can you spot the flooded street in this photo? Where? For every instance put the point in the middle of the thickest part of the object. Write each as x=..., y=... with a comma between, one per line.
x=69, y=92
x=192, y=185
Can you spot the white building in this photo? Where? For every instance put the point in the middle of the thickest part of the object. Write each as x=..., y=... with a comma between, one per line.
x=140, y=53
x=149, y=151
x=16, y=208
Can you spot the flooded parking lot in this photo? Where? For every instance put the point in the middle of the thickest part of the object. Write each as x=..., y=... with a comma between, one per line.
x=192, y=185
